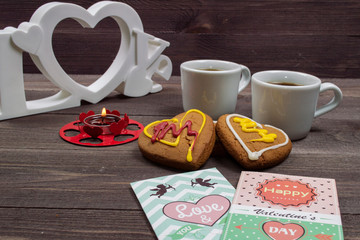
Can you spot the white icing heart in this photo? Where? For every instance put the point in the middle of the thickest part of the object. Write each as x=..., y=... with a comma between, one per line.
x=254, y=155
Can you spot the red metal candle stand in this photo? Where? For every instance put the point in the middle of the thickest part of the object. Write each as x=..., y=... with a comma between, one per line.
x=94, y=136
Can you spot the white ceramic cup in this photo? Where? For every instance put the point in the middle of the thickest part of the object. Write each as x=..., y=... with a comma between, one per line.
x=212, y=86
x=290, y=108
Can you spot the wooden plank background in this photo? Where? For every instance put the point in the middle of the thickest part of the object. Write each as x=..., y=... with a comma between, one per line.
x=321, y=37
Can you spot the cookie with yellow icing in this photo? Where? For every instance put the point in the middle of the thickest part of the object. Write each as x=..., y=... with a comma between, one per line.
x=183, y=142
x=255, y=146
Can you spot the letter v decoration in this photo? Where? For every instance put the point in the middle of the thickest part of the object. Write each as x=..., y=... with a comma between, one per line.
x=138, y=59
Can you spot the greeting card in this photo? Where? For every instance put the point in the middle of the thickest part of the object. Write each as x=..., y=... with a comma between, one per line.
x=191, y=205
x=284, y=207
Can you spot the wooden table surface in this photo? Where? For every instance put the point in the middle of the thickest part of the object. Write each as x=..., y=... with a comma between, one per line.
x=51, y=189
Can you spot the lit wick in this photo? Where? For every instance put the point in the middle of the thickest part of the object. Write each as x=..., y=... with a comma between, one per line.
x=103, y=115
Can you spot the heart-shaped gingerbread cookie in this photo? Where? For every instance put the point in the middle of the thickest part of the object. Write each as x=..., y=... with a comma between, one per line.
x=255, y=146
x=184, y=142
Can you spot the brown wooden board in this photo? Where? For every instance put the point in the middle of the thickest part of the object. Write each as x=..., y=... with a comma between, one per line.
x=51, y=189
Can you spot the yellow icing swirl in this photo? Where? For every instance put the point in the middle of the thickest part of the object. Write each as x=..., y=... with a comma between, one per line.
x=247, y=125
x=174, y=120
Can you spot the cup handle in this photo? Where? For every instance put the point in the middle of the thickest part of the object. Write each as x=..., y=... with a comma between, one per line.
x=334, y=102
x=245, y=78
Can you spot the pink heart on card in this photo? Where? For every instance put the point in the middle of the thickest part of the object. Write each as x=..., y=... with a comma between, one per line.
x=207, y=211
x=283, y=231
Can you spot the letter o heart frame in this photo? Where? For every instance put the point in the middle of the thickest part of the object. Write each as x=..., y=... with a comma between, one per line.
x=130, y=73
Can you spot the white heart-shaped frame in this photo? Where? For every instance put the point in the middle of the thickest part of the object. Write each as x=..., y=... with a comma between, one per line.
x=130, y=73
x=49, y=15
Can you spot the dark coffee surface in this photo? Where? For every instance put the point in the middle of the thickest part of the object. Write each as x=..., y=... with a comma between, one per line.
x=286, y=84
x=211, y=69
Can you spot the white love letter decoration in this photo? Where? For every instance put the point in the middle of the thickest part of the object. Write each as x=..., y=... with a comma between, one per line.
x=138, y=58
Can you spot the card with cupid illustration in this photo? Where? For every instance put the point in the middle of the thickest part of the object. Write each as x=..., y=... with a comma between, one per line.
x=190, y=205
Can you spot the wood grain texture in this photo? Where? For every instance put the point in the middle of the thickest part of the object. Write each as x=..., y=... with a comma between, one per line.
x=318, y=37
x=51, y=189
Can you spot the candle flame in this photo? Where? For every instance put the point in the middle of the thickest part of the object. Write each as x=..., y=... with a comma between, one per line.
x=103, y=112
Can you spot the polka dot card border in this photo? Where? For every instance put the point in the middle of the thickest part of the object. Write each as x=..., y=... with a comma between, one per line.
x=325, y=194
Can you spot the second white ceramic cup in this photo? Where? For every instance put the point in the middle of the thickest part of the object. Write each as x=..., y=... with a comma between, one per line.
x=290, y=108
x=212, y=86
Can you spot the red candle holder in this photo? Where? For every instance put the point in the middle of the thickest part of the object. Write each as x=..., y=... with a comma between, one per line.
x=101, y=129
x=102, y=122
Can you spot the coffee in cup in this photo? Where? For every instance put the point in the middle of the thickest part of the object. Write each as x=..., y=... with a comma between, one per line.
x=212, y=86
x=288, y=100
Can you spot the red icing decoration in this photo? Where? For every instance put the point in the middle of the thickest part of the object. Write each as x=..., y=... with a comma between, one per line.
x=161, y=129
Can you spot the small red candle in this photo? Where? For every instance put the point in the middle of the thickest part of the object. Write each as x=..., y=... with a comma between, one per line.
x=102, y=120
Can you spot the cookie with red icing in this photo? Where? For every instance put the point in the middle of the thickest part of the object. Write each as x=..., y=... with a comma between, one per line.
x=254, y=146
x=183, y=142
